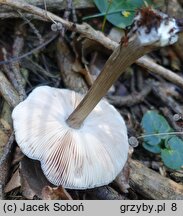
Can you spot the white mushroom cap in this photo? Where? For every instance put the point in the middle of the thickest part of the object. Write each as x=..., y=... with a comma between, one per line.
x=90, y=156
x=154, y=27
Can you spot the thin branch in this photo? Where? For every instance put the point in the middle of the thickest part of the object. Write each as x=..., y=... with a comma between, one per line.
x=7, y=69
x=152, y=185
x=67, y=14
x=17, y=48
x=160, y=92
x=154, y=68
x=130, y=100
x=10, y=14
x=56, y=5
x=5, y=162
x=8, y=91
x=35, y=30
x=14, y=59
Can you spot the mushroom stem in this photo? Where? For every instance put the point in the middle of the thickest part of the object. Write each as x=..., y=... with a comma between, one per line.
x=121, y=58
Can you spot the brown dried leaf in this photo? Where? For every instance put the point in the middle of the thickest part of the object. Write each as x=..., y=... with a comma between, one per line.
x=55, y=193
x=33, y=179
x=14, y=182
x=17, y=156
x=77, y=67
x=65, y=60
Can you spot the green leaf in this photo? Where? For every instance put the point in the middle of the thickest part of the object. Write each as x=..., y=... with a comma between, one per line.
x=152, y=148
x=154, y=123
x=172, y=156
x=174, y=143
x=117, y=8
x=170, y=147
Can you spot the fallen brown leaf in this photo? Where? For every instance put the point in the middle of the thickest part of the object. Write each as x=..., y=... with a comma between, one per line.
x=33, y=179
x=55, y=193
x=14, y=182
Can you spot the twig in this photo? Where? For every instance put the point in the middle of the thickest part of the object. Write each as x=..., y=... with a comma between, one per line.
x=35, y=30
x=20, y=87
x=132, y=87
x=67, y=13
x=8, y=71
x=7, y=150
x=166, y=112
x=8, y=92
x=14, y=59
x=57, y=5
x=160, y=92
x=161, y=71
x=130, y=100
x=35, y=67
x=10, y=14
x=17, y=48
x=13, y=70
x=140, y=80
x=89, y=32
x=152, y=185
x=105, y=193
x=5, y=165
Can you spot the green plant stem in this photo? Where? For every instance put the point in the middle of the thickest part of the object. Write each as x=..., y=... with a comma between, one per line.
x=160, y=134
x=105, y=17
x=109, y=13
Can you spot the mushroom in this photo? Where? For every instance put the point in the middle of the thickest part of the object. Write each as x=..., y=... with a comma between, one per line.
x=87, y=157
x=81, y=141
